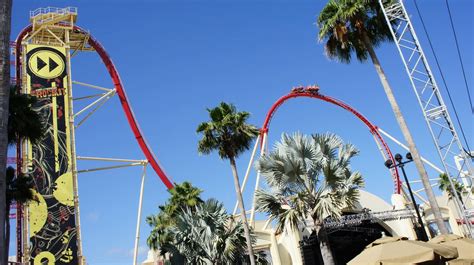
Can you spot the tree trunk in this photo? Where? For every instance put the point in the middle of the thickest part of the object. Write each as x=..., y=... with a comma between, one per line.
x=7, y=230
x=5, y=27
x=326, y=252
x=407, y=135
x=242, y=210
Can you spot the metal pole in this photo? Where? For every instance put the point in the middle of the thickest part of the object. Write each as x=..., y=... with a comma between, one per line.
x=257, y=181
x=107, y=168
x=419, y=196
x=247, y=172
x=108, y=159
x=460, y=212
x=420, y=221
x=140, y=202
x=380, y=148
x=408, y=150
x=92, y=86
x=95, y=102
x=73, y=152
x=25, y=163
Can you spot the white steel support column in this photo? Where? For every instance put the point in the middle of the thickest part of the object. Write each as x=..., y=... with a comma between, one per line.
x=73, y=153
x=380, y=148
x=430, y=100
x=130, y=163
x=24, y=155
x=139, y=217
x=257, y=181
x=426, y=161
x=249, y=167
x=106, y=95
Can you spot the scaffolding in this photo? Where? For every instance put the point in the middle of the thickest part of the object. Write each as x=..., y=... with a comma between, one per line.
x=371, y=217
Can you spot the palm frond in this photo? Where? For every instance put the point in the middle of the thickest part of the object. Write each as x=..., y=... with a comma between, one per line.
x=227, y=132
x=307, y=177
x=444, y=184
x=343, y=23
x=200, y=235
x=24, y=120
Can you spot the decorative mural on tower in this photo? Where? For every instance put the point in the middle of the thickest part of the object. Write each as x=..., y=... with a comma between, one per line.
x=51, y=219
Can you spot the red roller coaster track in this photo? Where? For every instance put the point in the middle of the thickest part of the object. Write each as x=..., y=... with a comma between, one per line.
x=312, y=92
x=114, y=75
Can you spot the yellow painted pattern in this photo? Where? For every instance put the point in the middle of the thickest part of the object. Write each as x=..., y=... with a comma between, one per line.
x=38, y=213
x=54, y=108
x=67, y=120
x=66, y=255
x=44, y=256
x=47, y=64
x=64, y=191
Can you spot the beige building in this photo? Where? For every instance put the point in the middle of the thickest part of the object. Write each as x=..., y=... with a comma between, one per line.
x=291, y=247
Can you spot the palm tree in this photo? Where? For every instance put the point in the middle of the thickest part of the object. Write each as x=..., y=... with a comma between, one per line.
x=357, y=27
x=309, y=178
x=19, y=190
x=445, y=185
x=159, y=224
x=5, y=28
x=229, y=134
x=24, y=122
x=182, y=195
x=202, y=236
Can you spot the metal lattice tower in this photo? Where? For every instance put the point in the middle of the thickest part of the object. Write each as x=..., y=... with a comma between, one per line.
x=456, y=162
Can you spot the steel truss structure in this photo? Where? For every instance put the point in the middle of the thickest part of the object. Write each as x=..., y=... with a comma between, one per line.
x=372, y=217
x=121, y=163
x=456, y=161
x=55, y=27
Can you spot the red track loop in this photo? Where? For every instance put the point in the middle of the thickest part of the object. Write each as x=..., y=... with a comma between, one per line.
x=372, y=128
x=120, y=91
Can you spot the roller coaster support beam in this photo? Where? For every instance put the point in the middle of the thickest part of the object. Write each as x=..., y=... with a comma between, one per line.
x=249, y=167
x=139, y=217
x=426, y=161
x=257, y=181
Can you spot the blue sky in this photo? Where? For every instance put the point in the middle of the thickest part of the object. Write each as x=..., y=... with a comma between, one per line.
x=177, y=58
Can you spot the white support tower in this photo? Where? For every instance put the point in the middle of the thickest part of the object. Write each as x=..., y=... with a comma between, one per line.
x=456, y=162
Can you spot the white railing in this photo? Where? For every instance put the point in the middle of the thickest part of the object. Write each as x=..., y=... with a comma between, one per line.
x=54, y=10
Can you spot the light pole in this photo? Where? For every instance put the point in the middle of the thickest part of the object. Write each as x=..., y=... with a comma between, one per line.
x=422, y=232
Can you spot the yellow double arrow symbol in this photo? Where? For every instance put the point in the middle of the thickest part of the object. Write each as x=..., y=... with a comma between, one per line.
x=46, y=64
